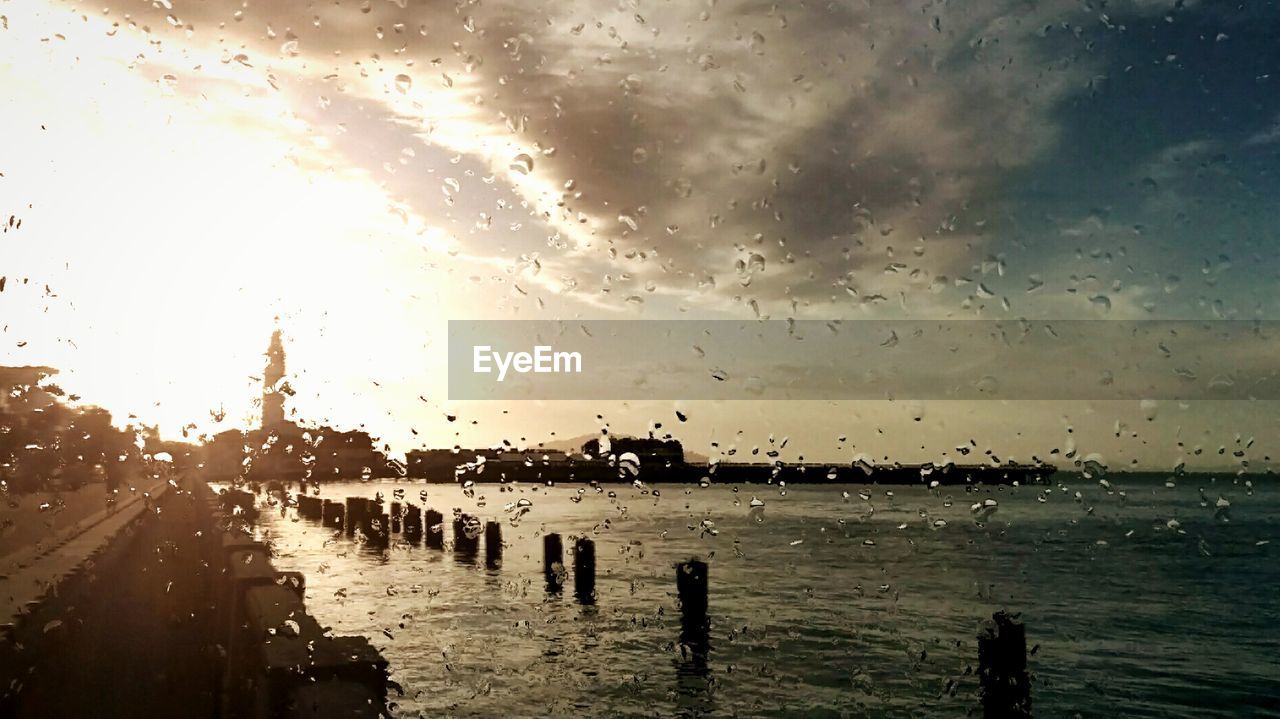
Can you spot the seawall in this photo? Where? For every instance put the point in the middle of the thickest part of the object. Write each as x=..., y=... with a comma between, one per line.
x=175, y=610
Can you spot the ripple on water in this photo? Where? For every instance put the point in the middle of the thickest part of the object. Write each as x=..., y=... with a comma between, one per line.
x=1131, y=617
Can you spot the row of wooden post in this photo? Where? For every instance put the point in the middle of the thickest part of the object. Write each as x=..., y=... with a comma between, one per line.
x=584, y=566
x=413, y=523
x=409, y=521
x=1002, y=645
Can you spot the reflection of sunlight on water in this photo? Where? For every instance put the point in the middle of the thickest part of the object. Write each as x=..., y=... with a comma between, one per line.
x=839, y=598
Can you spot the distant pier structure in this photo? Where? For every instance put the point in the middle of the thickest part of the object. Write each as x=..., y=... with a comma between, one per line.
x=660, y=460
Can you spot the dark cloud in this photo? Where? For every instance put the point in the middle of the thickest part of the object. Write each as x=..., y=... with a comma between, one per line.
x=858, y=145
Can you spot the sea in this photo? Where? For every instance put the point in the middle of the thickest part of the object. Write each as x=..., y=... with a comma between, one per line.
x=1140, y=598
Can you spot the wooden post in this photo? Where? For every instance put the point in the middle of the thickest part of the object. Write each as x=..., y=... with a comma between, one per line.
x=365, y=507
x=492, y=544
x=691, y=586
x=1002, y=668
x=584, y=570
x=384, y=530
x=332, y=514
x=355, y=514
x=377, y=529
x=412, y=524
x=461, y=542
x=374, y=525
x=695, y=624
x=433, y=523
x=553, y=561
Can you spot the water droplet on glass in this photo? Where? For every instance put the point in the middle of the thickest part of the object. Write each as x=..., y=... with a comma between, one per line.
x=629, y=464
x=522, y=164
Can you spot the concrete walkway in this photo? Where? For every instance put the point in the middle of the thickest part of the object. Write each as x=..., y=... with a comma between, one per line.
x=29, y=520
x=131, y=636
x=30, y=571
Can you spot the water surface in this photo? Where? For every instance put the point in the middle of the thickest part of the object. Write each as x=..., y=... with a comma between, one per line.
x=1140, y=600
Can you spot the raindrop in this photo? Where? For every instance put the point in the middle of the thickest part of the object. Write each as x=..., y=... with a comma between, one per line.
x=629, y=463
x=522, y=164
x=1149, y=409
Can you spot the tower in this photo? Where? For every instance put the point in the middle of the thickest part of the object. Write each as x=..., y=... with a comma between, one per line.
x=272, y=384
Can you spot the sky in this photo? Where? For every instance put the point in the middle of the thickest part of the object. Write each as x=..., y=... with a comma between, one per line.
x=186, y=172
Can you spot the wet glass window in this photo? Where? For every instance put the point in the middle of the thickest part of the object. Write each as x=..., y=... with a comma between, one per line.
x=705, y=359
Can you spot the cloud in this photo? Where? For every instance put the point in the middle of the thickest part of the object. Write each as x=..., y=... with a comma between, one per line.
x=1267, y=136
x=671, y=144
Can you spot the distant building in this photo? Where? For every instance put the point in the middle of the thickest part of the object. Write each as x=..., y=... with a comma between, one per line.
x=273, y=385
x=281, y=449
x=648, y=450
x=443, y=463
